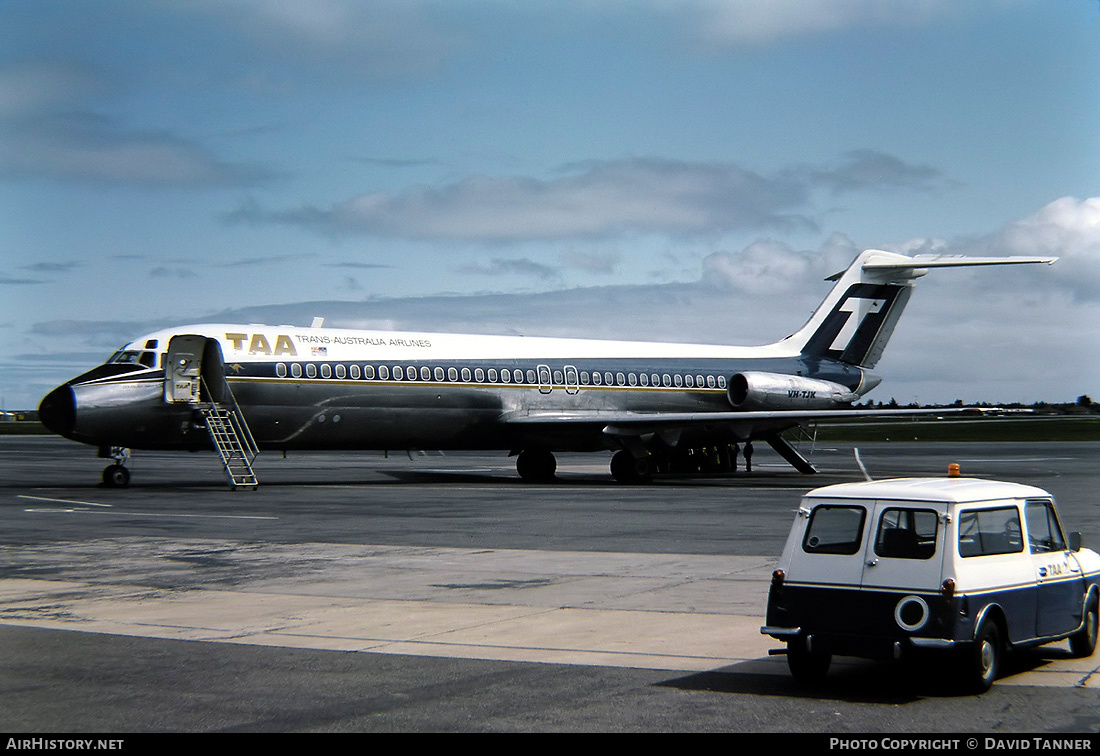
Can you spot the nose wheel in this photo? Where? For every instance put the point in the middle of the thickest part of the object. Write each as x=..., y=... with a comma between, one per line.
x=116, y=475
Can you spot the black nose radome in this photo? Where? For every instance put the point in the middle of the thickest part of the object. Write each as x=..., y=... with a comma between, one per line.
x=58, y=411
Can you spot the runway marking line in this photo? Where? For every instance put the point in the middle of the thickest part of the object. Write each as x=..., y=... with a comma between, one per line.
x=63, y=501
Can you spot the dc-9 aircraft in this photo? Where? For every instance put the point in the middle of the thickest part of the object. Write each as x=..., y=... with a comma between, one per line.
x=238, y=389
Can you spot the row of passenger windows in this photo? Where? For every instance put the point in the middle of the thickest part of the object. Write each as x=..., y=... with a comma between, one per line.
x=542, y=376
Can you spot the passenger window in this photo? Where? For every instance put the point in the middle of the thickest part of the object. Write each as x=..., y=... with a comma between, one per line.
x=355, y=372
x=280, y=370
x=296, y=370
x=584, y=378
x=466, y=374
x=907, y=534
x=479, y=374
x=689, y=381
x=311, y=370
x=620, y=379
x=398, y=373
x=368, y=372
x=643, y=379
x=990, y=531
x=834, y=530
x=326, y=370
x=506, y=375
x=1044, y=534
x=452, y=374
x=492, y=375
x=597, y=378
x=710, y=381
x=530, y=376
x=384, y=372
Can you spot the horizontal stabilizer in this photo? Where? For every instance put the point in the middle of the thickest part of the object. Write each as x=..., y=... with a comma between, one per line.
x=916, y=263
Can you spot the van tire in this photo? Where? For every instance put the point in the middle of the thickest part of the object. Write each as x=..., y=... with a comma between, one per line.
x=807, y=666
x=1083, y=642
x=982, y=661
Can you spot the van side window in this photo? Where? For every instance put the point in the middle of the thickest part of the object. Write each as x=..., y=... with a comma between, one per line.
x=1043, y=532
x=834, y=530
x=990, y=531
x=907, y=533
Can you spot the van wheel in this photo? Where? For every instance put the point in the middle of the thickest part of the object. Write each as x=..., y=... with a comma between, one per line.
x=1083, y=642
x=807, y=666
x=982, y=662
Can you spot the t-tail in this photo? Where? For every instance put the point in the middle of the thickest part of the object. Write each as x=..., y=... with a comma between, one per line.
x=857, y=318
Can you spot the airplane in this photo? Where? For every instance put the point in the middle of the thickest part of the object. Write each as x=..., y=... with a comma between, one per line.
x=659, y=407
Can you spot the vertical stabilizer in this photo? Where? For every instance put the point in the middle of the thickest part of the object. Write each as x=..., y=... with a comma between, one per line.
x=857, y=318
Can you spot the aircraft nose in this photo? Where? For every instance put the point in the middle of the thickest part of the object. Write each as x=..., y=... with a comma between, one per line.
x=58, y=411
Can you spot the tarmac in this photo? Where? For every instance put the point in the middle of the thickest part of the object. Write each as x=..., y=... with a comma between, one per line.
x=451, y=558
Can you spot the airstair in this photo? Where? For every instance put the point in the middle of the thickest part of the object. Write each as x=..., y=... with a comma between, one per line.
x=232, y=439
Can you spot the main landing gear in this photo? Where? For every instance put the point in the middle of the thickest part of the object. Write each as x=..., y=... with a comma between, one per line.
x=540, y=466
x=536, y=466
x=116, y=475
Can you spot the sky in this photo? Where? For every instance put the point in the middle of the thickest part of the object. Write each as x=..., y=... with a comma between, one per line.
x=667, y=170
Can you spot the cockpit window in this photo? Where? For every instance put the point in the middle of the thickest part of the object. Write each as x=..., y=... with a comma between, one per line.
x=133, y=357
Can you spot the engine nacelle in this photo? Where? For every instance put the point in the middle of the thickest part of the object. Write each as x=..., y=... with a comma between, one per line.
x=772, y=391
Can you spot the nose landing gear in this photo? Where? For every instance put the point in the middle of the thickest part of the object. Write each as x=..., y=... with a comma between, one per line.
x=116, y=475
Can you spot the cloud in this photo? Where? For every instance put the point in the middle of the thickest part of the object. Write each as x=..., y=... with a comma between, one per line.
x=166, y=272
x=873, y=170
x=596, y=200
x=604, y=199
x=32, y=88
x=20, y=281
x=382, y=39
x=767, y=266
x=357, y=265
x=725, y=23
x=515, y=267
x=90, y=147
x=52, y=267
x=1067, y=228
x=263, y=260
x=47, y=129
x=601, y=262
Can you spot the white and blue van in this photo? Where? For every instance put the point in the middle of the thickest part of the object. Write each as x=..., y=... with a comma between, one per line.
x=971, y=568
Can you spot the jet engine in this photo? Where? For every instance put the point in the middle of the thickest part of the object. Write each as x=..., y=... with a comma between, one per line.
x=772, y=391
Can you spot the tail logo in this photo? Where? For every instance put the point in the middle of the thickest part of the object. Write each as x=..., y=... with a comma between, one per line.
x=858, y=309
x=850, y=330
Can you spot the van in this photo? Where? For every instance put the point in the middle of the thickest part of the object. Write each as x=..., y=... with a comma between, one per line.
x=967, y=569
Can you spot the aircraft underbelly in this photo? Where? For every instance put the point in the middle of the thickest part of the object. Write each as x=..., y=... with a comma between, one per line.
x=303, y=416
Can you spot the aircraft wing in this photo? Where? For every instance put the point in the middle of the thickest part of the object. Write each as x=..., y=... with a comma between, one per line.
x=628, y=427
x=632, y=423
